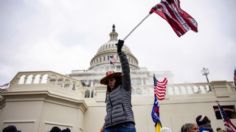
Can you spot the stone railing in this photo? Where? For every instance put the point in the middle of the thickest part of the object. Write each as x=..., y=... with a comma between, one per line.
x=188, y=88
x=45, y=78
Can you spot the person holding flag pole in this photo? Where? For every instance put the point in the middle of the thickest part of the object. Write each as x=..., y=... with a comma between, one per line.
x=119, y=114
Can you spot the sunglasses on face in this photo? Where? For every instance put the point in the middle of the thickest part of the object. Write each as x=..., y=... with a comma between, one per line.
x=111, y=79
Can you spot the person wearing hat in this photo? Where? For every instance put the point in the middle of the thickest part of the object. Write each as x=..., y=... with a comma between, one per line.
x=189, y=127
x=10, y=128
x=119, y=114
x=204, y=123
x=55, y=129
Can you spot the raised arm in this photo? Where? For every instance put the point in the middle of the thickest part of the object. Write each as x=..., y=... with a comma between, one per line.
x=126, y=82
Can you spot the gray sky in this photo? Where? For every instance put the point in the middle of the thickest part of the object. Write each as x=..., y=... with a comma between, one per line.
x=63, y=35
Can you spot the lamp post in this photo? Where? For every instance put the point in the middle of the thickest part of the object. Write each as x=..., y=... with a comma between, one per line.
x=205, y=72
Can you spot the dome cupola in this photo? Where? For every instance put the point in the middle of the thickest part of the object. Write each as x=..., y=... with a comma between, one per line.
x=106, y=56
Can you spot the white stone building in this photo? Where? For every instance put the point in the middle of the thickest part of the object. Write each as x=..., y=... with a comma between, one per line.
x=38, y=100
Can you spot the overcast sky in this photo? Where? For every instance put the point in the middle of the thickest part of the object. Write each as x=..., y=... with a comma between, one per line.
x=63, y=35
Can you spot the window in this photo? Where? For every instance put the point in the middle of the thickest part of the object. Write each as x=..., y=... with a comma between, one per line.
x=37, y=79
x=22, y=79
x=87, y=93
x=92, y=93
x=29, y=79
x=44, y=78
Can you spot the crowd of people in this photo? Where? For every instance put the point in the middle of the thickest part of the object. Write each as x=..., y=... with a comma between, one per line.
x=203, y=124
x=57, y=129
x=12, y=128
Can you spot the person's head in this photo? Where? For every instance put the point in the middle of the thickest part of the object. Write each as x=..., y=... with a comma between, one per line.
x=189, y=127
x=165, y=129
x=202, y=120
x=10, y=128
x=55, y=129
x=112, y=80
x=204, y=123
x=66, y=130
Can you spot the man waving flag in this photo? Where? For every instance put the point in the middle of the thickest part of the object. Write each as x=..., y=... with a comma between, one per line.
x=179, y=20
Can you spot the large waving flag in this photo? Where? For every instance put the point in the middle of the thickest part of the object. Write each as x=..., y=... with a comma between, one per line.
x=230, y=127
x=179, y=20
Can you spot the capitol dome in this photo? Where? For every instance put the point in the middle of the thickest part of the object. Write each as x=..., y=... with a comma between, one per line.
x=106, y=56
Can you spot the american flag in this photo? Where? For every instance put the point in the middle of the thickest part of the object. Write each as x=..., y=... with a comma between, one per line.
x=179, y=20
x=112, y=59
x=160, y=88
x=227, y=122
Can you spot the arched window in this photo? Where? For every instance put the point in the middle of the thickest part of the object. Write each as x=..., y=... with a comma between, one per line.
x=170, y=91
x=189, y=90
x=176, y=89
x=87, y=92
x=183, y=90
x=44, y=78
x=22, y=80
x=195, y=89
x=202, y=89
x=92, y=93
x=73, y=87
x=29, y=79
x=36, y=79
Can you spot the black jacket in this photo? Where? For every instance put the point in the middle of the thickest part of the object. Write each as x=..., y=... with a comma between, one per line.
x=118, y=101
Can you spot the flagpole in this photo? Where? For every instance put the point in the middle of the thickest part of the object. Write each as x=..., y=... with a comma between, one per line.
x=221, y=114
x=158, y=128
x=137, y=26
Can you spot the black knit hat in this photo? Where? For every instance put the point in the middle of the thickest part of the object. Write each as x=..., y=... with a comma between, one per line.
x=202, y=120
x=10, y=128
x=55, y=129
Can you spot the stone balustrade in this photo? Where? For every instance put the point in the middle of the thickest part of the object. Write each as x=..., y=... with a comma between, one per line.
x=62, y=81
x=189, y=88
x=45, y=78
x=186, y=88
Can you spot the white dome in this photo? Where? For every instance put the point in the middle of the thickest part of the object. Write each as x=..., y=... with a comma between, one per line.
x=101, y=59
